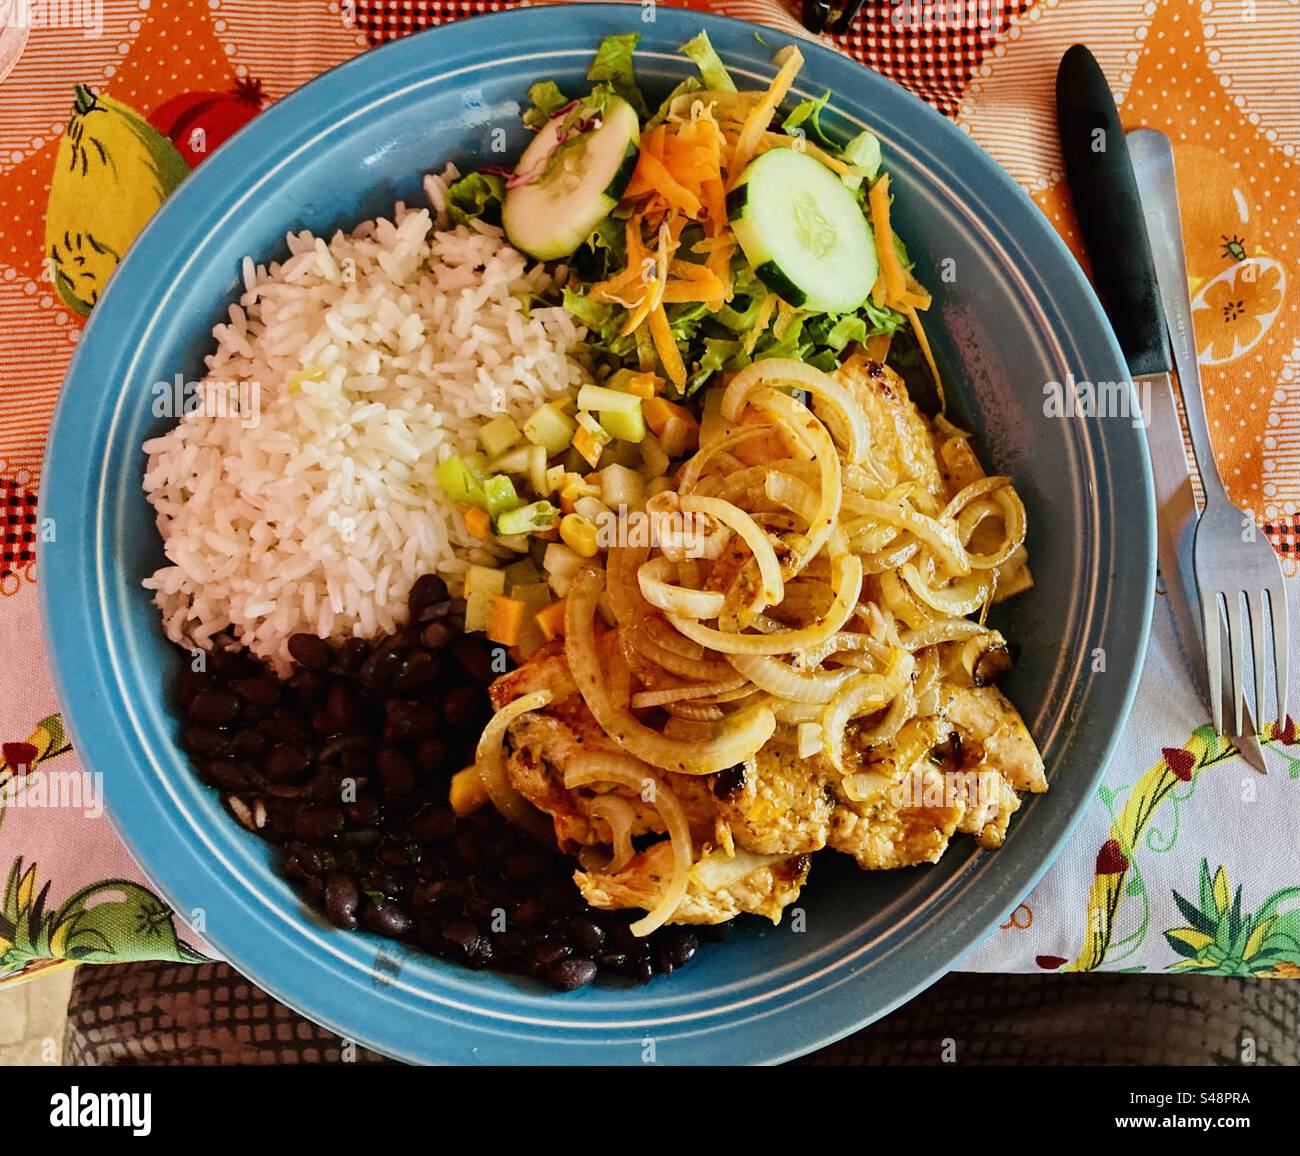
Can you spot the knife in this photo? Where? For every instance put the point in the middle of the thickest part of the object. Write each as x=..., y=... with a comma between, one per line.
x=1113, y=226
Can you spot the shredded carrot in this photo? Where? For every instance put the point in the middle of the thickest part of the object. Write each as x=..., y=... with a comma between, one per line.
x=877, y=347
x=645, y=351
x=760, y=116
x=652, y=175
x=924, y=343
x=776, y=140
x=891, y=268
x=666, y=346
x=761, y=320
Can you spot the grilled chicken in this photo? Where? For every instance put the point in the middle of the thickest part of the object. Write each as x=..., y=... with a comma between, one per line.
x=902, y=445
x=781, y=804
x=753, y=828
x=721, y=887
x=985, y=715
x=542, y=743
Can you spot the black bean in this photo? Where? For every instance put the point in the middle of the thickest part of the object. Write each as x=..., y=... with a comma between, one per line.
x=465, y=852
x=214, y=707
x=433, y=824
x=680, y=946
x=527, y=867
x=262, y=689
x=189, y=683
x=286, y=762
x=203, y=740
x=494, y=891
x=587, y=935
x=512, y=941
x=612, y=961
x=570, y=974
x=385, y=918
x=463, y=706
x=343, y=705
x=341, y=894
x=473, y=654
x=621, y=939
x=561, y=894
x=547, y=952
x=435, y=635
x=416, y=672
x=250, y=744
x=396, y=772
x=377, y=671
x=283, y=726
x=382, y=882
x=530, y=913
x=227, y=775
x=641, y=970
x=363, y=811
x=312, y=821
x=427, y=590
x=308, y=686
x=446, y=893
x=714, y=932
x=431, y=755
x=466, y=942
x=398, y=853
x=406, y=719
x=352, y=654
x=441, y=612
x=309, y=652
x=226, y=663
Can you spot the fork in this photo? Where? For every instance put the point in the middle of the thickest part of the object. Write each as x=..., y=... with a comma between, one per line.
x=1231, y=561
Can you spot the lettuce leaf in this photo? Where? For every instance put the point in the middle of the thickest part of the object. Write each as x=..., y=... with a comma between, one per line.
x=810, y=111
x=546, y=99
x=863, y=153
x=712, y=71
x=476, y=195
x=690, y=84
x=613, y=65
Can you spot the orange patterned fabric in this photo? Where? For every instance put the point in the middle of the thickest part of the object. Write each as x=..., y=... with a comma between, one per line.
x=1167, y=841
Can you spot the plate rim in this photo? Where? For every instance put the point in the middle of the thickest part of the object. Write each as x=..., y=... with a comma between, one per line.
x=60, y=583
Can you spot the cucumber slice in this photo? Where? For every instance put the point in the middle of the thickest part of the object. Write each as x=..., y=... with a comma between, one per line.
x=549, y=217
x=803, y=232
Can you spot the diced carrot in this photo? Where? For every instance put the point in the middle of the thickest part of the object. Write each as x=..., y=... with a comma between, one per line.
x=643, y=385
x=477, y=522
x=551, y=621
x=588, y=447
x=467, y=793
x=674, y=426
x=505, y=619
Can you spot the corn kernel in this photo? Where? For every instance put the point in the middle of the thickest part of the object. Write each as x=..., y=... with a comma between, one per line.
x=579, y=535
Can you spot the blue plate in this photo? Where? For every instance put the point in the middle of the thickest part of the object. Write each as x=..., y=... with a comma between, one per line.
x=1016, y=314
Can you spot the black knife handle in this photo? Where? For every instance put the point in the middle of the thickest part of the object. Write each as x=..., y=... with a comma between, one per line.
x=1109, y=210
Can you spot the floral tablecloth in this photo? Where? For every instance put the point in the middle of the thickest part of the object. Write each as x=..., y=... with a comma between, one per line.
x=1186, y=859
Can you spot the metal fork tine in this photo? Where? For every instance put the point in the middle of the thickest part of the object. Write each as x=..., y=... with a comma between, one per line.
x=1255, y=608
x=1277, y=604
x=1213, y=655
x=1237, y=689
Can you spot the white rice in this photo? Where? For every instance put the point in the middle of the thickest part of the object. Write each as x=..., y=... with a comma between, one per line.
x=321, y=515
